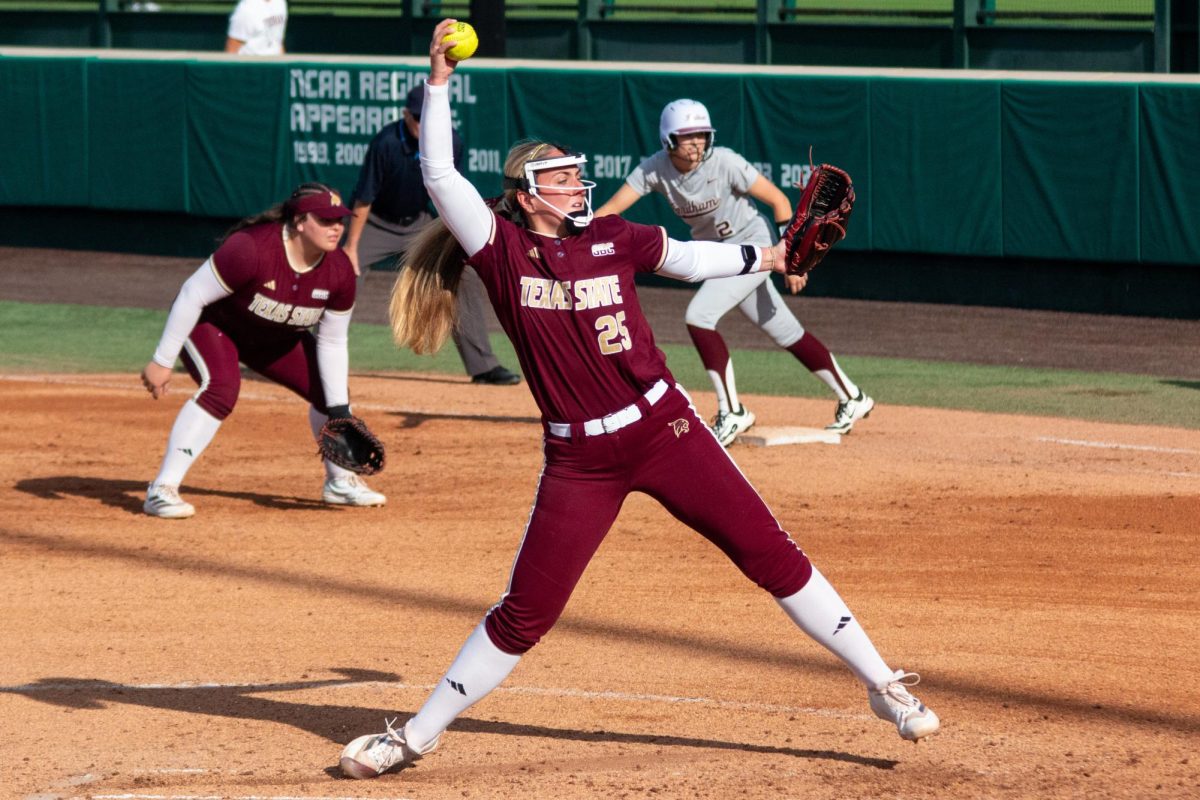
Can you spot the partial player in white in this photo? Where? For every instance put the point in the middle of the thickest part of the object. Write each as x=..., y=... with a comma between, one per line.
x=713, y=190
x=257, y=28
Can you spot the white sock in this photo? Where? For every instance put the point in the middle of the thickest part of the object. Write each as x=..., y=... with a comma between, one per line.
x=479, y=668
x=836, y=382
x=819, y=611
x=316, y=421
x=726, y=388
x=194, y=428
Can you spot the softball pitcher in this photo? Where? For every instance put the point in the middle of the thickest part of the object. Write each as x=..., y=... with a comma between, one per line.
x=274, y=276
x=614, y=421
x=713, y=190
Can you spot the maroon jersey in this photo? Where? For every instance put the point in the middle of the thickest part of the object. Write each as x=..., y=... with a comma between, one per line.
x=270, y=299
x=570, y=308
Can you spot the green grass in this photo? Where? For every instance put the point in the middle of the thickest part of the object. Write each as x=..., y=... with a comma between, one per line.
x=71, y=338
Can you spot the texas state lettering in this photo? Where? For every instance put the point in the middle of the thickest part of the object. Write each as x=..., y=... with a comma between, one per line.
x=565, y=296
x=275, y=311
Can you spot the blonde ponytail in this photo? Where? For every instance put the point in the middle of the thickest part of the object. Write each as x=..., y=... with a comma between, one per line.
x=422, y=309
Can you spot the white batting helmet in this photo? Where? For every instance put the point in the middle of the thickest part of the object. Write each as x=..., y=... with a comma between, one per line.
x=684, y=116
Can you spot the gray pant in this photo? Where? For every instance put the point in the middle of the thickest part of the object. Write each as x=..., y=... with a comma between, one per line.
x=382, y=240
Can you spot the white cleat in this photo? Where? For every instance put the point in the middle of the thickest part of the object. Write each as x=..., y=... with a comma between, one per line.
x=894, y=703
x=372, y=755
x=163, y=501
x=851, y=412
x=728, y=425
x=351, y=491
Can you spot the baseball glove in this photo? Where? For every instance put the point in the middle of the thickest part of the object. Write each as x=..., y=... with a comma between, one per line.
x=349, y=443
x=820, y=219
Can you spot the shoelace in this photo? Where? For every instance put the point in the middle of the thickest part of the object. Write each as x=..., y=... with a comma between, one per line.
x=350, y=484
x=843, y=410
x=392, y=741
x=723, y=416
x=167, y=495
x=389, y=723
x=897, y=689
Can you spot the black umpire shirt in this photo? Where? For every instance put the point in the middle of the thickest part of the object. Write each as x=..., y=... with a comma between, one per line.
x=390, y=179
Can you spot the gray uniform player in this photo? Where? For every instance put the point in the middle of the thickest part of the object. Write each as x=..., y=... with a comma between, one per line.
x=713, y=190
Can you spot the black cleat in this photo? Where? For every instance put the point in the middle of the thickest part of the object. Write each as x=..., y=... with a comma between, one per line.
x=497, y=376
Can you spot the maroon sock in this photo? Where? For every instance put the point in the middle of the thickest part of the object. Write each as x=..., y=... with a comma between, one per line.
x=816, y=356
x=714, y=354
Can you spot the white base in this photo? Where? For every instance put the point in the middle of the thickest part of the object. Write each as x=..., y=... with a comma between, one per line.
x=760, y=436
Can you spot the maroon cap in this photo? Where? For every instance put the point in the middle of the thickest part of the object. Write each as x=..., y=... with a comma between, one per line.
x=327, y=205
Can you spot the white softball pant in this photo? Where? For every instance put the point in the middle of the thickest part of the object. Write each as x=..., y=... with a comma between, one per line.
x=756, y=296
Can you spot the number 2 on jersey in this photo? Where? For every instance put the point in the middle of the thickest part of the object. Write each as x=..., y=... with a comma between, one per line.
x=614, y=336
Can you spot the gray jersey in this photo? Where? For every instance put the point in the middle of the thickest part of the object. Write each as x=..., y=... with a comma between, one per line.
x=712, y=199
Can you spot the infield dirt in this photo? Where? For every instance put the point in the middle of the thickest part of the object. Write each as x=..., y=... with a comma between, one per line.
x=1039, y=573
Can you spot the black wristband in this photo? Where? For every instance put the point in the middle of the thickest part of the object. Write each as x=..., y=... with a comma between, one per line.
x=338, y=412
x=749, y=258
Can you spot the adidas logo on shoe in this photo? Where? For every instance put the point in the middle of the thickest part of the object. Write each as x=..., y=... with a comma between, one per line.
x=894, y=703
x=164, y=502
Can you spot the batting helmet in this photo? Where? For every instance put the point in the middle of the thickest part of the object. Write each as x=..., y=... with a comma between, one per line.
x=685, y=116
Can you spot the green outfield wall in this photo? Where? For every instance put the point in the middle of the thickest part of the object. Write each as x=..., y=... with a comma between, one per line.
x=996, y=165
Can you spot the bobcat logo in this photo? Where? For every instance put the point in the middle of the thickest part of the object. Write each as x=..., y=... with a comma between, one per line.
x=680, y=426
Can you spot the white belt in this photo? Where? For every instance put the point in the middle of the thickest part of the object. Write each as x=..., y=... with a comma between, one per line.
x=614, y=421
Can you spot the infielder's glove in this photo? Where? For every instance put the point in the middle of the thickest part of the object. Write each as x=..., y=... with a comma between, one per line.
x=349, y=443
x=820, y=219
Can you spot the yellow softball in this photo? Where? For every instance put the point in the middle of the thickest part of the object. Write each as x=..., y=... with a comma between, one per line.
x=463, y=35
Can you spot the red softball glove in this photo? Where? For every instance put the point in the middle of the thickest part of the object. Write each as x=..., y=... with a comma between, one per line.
x=820, y=219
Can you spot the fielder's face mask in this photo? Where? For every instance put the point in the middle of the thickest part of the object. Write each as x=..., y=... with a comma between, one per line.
x=576, y=220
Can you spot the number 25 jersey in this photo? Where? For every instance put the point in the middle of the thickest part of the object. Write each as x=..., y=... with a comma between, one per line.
x=571, y=310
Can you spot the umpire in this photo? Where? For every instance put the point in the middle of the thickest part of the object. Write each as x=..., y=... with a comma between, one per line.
x=390, y=207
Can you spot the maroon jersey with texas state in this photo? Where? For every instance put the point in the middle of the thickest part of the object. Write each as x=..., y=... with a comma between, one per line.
x=270, y=299
x=571, y=310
